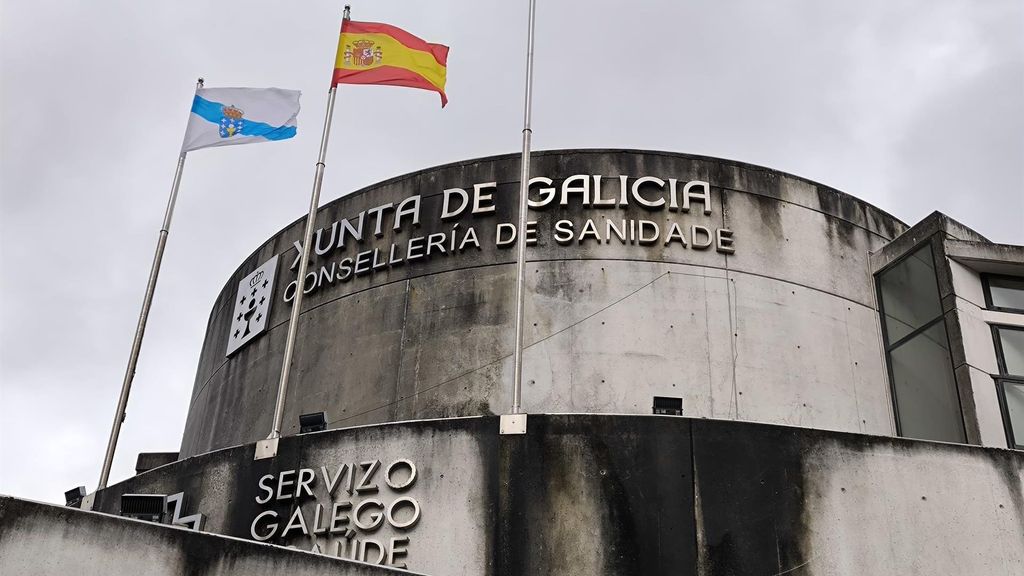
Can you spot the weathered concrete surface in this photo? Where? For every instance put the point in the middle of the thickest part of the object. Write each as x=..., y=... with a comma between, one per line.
x=987, y=257
x=643, y=495
x=776, y=500
x=934, y=223
x=784, y=330
x=714, y=338
x=455, y=485
x=606, y=497
x=43, y=540
x=912, y=508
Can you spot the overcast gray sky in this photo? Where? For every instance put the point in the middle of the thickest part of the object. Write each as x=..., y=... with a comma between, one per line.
x=913, y=106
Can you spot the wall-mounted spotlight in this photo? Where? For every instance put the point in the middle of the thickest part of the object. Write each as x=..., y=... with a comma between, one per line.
x=73, y=497
x=148, y=507
x=668, y=406
x=314, y=422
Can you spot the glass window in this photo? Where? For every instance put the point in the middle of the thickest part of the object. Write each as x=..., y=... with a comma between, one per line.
x=1010, y=355
x=917, y=349
x=910, y=294
x=1005, y=292
x=1011, y=346
x=927, y=402
x=1013, y=395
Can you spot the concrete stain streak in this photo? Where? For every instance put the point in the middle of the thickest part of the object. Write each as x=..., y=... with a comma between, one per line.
x=401, y=344
x=419, y=392
x=707, y=336
x=793, y=569
x=853, y=370
x=279, y=325
x=732, y=296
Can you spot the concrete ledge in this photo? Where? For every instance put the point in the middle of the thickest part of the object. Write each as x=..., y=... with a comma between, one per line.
x=987, y=257
x=43, y=539
x=934, y=223
x=150, y=460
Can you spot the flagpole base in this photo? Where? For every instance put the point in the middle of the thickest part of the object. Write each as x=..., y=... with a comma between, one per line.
x=266, y=448
x=512, y=424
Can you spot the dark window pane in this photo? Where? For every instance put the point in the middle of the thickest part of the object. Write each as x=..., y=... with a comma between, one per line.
x=910, y=297
x=1014, y=393
x=1007, y=292
x=926, y=396
x=1013, y=350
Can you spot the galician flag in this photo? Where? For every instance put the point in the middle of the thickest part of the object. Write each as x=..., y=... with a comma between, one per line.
x=227, y=116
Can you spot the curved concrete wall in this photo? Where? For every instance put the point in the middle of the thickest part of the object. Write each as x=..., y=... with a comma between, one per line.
x=609, y=495
x=782, y=330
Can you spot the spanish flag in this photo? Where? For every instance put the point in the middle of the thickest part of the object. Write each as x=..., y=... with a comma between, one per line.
x=372, y=53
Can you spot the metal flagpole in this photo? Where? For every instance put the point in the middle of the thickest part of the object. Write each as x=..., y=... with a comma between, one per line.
x=268, y=447
x=140, y=328
x=524, y=186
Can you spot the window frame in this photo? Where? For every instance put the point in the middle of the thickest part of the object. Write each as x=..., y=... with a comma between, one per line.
x=888, y=347
x=1000, y=356
x=985, y=277
x=1001, y=382
x=1002, y=378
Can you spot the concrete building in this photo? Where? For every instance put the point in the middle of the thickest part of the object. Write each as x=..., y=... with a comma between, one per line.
x=728, y=370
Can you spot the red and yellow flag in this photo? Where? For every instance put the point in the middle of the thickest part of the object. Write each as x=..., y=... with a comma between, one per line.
x=372, y=53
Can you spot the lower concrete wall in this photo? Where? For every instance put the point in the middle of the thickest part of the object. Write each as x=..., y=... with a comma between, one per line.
x=621, y=495
x=42, y=540
x=784, y=501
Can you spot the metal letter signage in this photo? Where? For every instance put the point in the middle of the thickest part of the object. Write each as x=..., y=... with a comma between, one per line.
x=348, y=248
x=252, y=305
x=347, y=515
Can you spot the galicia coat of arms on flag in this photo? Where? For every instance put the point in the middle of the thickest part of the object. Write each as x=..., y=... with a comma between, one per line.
x=231, y=121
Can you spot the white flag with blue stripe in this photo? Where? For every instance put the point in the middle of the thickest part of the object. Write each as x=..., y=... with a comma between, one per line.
x=228, y=116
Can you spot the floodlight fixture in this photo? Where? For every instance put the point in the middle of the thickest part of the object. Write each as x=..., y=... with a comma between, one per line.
x=148, y=507
x=314, y=422
x=73, y=498
x=668, y=406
